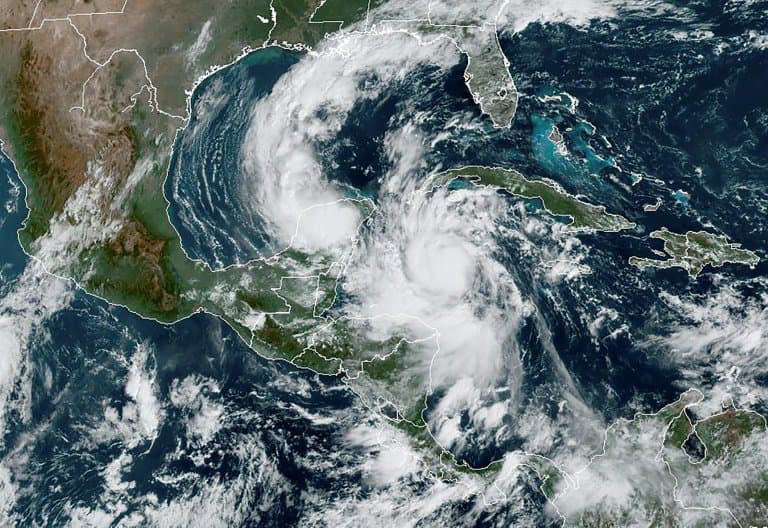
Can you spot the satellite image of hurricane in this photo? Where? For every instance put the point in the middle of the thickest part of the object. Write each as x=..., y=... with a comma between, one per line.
x=384, y=263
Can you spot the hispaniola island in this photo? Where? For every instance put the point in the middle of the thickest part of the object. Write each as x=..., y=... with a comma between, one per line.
x=384, y=263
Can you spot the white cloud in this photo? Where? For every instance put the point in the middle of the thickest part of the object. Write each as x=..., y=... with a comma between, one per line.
x=196, y=397
x=518, y=14
x=32, y=299
x=199, y=46
x=723, y=334
x=389, y=456
x=144, y=409
x=283, y=179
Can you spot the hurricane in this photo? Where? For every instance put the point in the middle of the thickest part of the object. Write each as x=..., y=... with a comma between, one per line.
x=533, y=297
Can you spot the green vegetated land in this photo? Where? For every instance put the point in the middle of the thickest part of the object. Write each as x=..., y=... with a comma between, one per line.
x=143, y=265
x=583, y=216
x=343, y=12
x=706, y=458
x=695, y=250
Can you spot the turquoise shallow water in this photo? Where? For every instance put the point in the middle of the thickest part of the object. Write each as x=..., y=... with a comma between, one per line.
x=282, y=443
x=576, y=159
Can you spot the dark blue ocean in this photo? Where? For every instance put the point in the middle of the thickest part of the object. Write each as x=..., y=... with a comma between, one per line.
x=90, y=366
x=112, y=413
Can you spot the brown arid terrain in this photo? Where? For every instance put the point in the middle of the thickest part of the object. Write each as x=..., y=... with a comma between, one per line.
x=92, y=93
